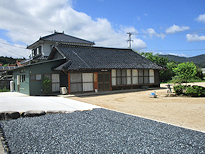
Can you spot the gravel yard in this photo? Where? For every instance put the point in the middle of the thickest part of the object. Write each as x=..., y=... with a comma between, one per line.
x=98, y=131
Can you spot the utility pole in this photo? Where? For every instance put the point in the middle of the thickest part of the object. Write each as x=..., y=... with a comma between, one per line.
x=129, y=40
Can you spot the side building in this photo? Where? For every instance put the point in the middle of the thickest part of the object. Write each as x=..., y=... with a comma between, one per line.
x=41, y=49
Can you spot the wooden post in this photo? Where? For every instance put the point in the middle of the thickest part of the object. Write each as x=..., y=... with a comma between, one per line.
x=111, y=81
x=69, y=83
x=95, y=80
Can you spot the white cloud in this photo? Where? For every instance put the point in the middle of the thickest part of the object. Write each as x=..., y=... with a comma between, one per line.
x=201, y=18
x=15, y=50
x=195, y=37
x=173, y=29
x=138, y=44
x=27, y=20
x=151, y=32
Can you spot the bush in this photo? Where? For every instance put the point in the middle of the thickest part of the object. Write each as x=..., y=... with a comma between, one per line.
x=191, y=92
x=47, y=86
x=180, y=89
x=4, y=89
x=194, y=91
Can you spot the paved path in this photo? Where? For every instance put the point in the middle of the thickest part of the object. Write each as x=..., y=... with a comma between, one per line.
x=13, y=101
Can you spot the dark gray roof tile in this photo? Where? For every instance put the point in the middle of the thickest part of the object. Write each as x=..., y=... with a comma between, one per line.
x=61, y=37
x=85, y=57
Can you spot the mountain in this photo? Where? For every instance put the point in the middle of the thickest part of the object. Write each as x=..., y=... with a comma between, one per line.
x=197, y=60
x=8, y=60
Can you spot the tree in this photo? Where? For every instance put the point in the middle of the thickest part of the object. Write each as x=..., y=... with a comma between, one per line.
x=185, y=72
x=169, y=73
x=165, y=75
x=154, y=58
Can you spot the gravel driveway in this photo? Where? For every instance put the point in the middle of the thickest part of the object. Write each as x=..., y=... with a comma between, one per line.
x=98, y=131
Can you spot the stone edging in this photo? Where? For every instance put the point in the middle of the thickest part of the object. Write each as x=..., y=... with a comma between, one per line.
x=9, y=115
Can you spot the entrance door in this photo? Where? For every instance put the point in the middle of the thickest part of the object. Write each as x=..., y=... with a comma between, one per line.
x=103, y=81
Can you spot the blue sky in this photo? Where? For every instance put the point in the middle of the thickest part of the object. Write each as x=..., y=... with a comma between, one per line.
x=159, y=26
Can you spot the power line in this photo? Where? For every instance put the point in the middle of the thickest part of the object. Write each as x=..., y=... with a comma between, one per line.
x=11, y=51
x=12, y=45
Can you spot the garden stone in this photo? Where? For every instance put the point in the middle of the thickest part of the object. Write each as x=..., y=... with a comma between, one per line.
x=33, y=113
x=56, y=112
x=1, y=116
x=11, y=115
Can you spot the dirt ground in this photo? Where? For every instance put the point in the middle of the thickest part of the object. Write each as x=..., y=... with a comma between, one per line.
x=187, y=112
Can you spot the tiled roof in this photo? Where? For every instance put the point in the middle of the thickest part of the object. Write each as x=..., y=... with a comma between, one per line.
x=85, y=57
x=62, y=38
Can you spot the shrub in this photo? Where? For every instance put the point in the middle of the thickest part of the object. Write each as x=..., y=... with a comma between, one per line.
x=180, y=89
x=4, y=89
x=47, y=85
x=195, y=91
x=191, y=92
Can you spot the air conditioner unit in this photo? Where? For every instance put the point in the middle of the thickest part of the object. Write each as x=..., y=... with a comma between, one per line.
x=63, y=90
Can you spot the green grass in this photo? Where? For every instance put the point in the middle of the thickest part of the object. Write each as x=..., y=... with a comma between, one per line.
x=191, y=81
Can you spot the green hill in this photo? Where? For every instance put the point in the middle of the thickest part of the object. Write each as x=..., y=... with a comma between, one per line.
x=198, y=60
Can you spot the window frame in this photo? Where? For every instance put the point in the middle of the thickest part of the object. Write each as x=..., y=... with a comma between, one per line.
x=139, y=75
x=22, y=78
x=151, y=76
x=35, y=77
x=82, y=83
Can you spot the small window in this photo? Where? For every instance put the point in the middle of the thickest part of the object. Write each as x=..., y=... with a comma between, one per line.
x=35, y=52
x=35, y=77
x=22, y=71
x=151, y=76
x=38, y=76
x=22, y=78
x=129, y=76
x=113, y=77
x=39, y=50
x=134, y=76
